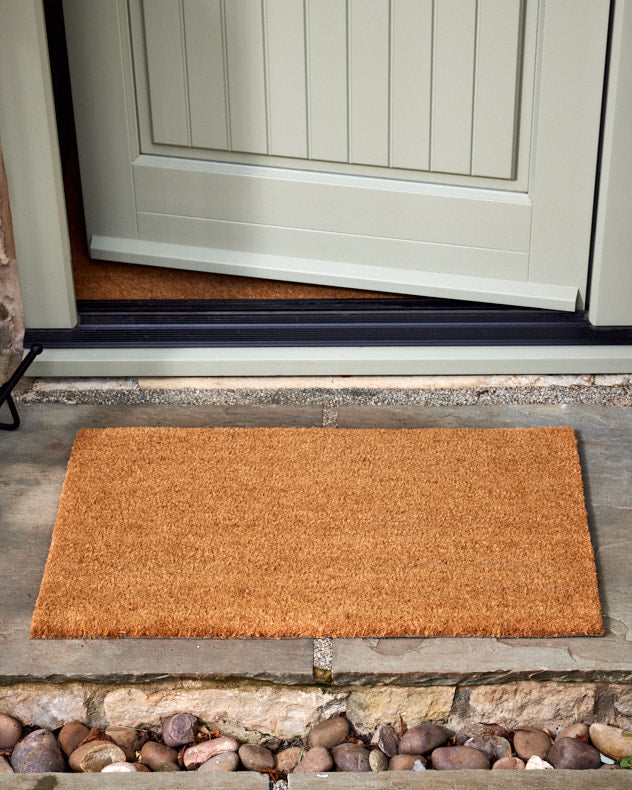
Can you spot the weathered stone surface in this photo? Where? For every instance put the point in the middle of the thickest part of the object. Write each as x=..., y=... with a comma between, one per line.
x=573, y=754
x=119, y=768
x=611, y=741
x=422, y=739
x=329, y=733
x=155, y=754
x=126, y=738
x=45, y=706
x=552, y=704
x=92, y=757
x=529, y=741
x=378, y=761
x=71, y=735
x=287, y=759
x=37, y=753
x=386, y=739
x=578, y=730
x=273, y=710
x=179, y=729
x=315, y=760
x=255, y=757
x=458, y=758
x=493, y=746
x=405, y=762
x=351, y=757
x=201, y=752
x=371, y=706
x=225, y=762
x=5, y=768
x=508, y=764
x=622, y=695
x=10, y=731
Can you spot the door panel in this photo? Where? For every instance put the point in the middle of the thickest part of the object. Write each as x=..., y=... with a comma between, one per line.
x=319, y=132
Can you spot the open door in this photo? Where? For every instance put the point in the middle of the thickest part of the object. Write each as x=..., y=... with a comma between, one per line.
x=430, y=147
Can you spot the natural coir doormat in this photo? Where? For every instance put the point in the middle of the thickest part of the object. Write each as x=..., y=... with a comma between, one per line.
x=284, y=532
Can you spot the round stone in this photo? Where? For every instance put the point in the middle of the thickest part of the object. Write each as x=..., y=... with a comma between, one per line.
x=530, y=741
x=287, y=759
x=10, y=731
x=154, y=754
x=329, y=733
x=126, y=738
x=422, y=739
x=493, y=746
x=119, y=768
x=142, y=769
x=255, y=757
x=536, y=763
x=5, y=768
x=179, y=729
x=573, y=731
x=71, y=735
x=93, y=756
x=573, y=754
x=167, y=768
x=351, y=757
x=458, y=758
x=37, y=753
x=405, y=762
x=201, y=752
x=611, y=741
x=224, y=761
x=508, y=764
x=316, y=760
x=378, y=761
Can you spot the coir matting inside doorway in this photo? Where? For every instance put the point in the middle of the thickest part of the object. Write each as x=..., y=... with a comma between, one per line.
x=283, y=532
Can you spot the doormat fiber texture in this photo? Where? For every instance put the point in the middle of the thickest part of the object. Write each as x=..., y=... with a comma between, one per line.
x=284, y=532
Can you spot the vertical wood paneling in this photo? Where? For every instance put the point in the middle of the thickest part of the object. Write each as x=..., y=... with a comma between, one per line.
x=246, y=75
x=495, y=93
x=411, y=77
x=369, y=49
x=285, y=42
x=205, y=68
x=453, y=77
x=166, y=67
x=327, y=79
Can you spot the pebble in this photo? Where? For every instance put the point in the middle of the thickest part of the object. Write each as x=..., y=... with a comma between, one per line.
x=378, y=761
x=287, y=759
x=10, y=731
x=329, y=733
x=422, y=739
x=531, y=741
x=180, y=729
x=458, y=758
x=386, y=739
x=255, y=757
x=201, y=752
x=224, y=761
x=574, y=754
x=93, y=756
x=536, y=763
x=492, y=745
x=405, y=762
x=119, y=768
x=5, y=768
x=167, y=768
x=351, y=757
x=71, y=735
x=611, y=741
x=37, y=753
x=573, y=731
x=508, y=764
x=126, y=738
x=315, y=760
x=155, y=754
x=142, y=769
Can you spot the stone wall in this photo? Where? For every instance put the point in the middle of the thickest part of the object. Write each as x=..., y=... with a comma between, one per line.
x=11, y=317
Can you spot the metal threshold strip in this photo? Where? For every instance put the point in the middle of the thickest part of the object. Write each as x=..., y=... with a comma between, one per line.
x=321, y=322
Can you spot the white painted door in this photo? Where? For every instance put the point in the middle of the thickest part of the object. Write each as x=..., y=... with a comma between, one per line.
x=432, y=147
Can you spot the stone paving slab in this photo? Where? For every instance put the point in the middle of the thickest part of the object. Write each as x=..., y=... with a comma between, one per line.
x=240, y=780
x=33, y=463
x=605, y=443
x=458, y=780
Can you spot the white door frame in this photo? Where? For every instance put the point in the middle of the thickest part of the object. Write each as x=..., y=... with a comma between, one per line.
x=29, y=139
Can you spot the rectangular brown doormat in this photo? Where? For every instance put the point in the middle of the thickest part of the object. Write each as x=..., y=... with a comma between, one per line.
x=283, y=532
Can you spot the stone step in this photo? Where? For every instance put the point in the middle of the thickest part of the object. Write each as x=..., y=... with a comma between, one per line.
x=243, y=780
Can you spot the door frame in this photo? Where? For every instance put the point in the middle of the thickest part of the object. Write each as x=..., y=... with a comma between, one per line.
x=29, y=139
